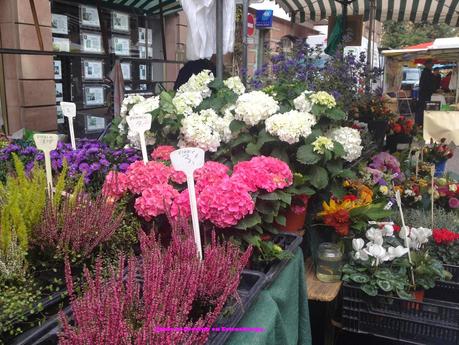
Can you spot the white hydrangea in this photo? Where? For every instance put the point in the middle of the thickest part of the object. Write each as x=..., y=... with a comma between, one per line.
x=302, y=102
x=134, y=139
x=323, y=98
x=185, y=102
x=350, y=139
x=146, y=106
x=254, y=107
x=198, y=83
x=205, y=130
x=235, y=85
x=290, y=126
x=128, y=102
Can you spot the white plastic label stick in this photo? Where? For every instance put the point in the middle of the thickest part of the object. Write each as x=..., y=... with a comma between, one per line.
x=404, y=227
x=47, y=143
x=188, y=160
x=140, y=124
x=69, y=111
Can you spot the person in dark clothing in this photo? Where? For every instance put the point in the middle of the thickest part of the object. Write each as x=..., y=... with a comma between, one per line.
x=193, y=67
x=437, y=78
x=427, y=86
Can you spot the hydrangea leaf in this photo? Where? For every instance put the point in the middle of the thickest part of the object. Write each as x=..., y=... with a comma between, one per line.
x=319, y=177
x=306, y=155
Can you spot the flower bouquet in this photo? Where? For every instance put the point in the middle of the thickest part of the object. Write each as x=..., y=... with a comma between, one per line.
x=401, y=131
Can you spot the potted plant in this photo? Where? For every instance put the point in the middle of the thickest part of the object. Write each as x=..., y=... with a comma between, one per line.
x=401, y=131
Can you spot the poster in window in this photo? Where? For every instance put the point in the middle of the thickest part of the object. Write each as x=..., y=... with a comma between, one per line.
x=150, y=37
x=142, y=34
x=121, y=46
x=93, y=70
x=60, y=114
x=94, y=95
x=57, y=69
x=142, y=52
x=92, y=43
x=95, y=124
x=59, y=93
x=143, y=72
x=61, y=44
x=89, y=16
x=143, y=87
x=59, y=24
x=126, y=69
x=120, y=21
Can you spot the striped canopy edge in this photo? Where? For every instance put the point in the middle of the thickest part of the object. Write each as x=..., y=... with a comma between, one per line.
x=432, y=11
x=145, y=6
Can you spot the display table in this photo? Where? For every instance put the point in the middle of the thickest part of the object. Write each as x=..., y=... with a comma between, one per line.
x=281, y=310
x=441, y=124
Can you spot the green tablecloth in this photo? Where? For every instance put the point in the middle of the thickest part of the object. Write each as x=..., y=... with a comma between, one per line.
x=282, y=310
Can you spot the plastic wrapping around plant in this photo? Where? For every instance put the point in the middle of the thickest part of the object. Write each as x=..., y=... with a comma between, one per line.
x=289, y=243
x=433, y=321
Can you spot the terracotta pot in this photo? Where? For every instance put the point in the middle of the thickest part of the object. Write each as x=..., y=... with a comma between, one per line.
x=418, y=295
x=294, y=221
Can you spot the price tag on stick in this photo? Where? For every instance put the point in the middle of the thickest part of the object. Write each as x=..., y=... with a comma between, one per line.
x=140, y=124
x=405, y=229
x=188, y=160
x=69, y=111
x=47, y=143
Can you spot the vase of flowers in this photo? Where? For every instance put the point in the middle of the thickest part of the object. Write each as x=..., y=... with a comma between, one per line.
x=438, y=154
x=400, y=131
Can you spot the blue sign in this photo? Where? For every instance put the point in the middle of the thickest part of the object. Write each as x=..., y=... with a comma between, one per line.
x=264, y=19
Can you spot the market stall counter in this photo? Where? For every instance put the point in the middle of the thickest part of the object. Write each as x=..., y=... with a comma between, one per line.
x=281, y=311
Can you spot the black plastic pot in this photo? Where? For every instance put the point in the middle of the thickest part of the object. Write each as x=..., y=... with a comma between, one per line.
x=378, y=130
x=393, y=140
x=251, y=284
x=50, y=306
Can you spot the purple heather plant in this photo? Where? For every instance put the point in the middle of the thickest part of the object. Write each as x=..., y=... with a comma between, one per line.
x=133, y=309
x=383, y=166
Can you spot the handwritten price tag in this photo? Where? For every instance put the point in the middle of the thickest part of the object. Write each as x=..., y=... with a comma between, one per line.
x=47, y=143
x=188, y=160
x=140, y=124
x=69, y=111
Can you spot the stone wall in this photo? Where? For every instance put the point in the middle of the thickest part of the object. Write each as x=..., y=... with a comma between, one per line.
x=29, y=79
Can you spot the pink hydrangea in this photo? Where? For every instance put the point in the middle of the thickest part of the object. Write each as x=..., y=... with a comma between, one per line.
x=155, y=200
x=209, y=174
x=453, y=203
x=178, y=176
x=163, y=153
x=263, y=172
x=181, y=205
x=115, y=185
x=225, y=203
x=142, y=176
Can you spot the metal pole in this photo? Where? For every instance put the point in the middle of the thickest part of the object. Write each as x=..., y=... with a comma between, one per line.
x=219, y=9
x=261, y=48
x=245, y=13
x=370, y=30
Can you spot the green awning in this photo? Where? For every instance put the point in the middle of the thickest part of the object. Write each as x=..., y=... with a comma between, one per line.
x=433, y=11
x=145, y=6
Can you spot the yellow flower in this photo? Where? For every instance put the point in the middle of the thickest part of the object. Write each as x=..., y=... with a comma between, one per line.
x=321, y=144
x=384, y=190
x=334, y=207
x=346, y=184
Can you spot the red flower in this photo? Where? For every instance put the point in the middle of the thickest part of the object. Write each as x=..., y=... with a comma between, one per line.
x=340, y=221
x=397, y=228
x=444, y=236
x=397, y=128
x=349, y=197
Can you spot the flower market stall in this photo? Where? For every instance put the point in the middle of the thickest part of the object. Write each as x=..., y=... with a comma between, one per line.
x=189, y=222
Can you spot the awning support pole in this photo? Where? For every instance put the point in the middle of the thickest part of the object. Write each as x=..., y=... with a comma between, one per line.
x=245, y=13
x=219, y=51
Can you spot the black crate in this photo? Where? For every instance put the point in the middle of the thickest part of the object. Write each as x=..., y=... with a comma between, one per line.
x=433, y=321
x=250, y=285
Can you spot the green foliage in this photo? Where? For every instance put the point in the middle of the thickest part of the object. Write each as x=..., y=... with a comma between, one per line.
x=427, y=270
x=402, y=34
x=16, y=301
x=24, y=199
x=418, y=217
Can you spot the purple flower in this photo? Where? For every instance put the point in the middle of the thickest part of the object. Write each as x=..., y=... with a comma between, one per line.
x=84, y=167
x=453, y=203
x=123, y=167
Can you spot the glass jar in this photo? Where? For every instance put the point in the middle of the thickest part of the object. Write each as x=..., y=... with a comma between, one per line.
x=329, y=263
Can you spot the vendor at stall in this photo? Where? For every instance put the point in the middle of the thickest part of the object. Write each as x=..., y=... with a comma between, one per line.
x=427, y=86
